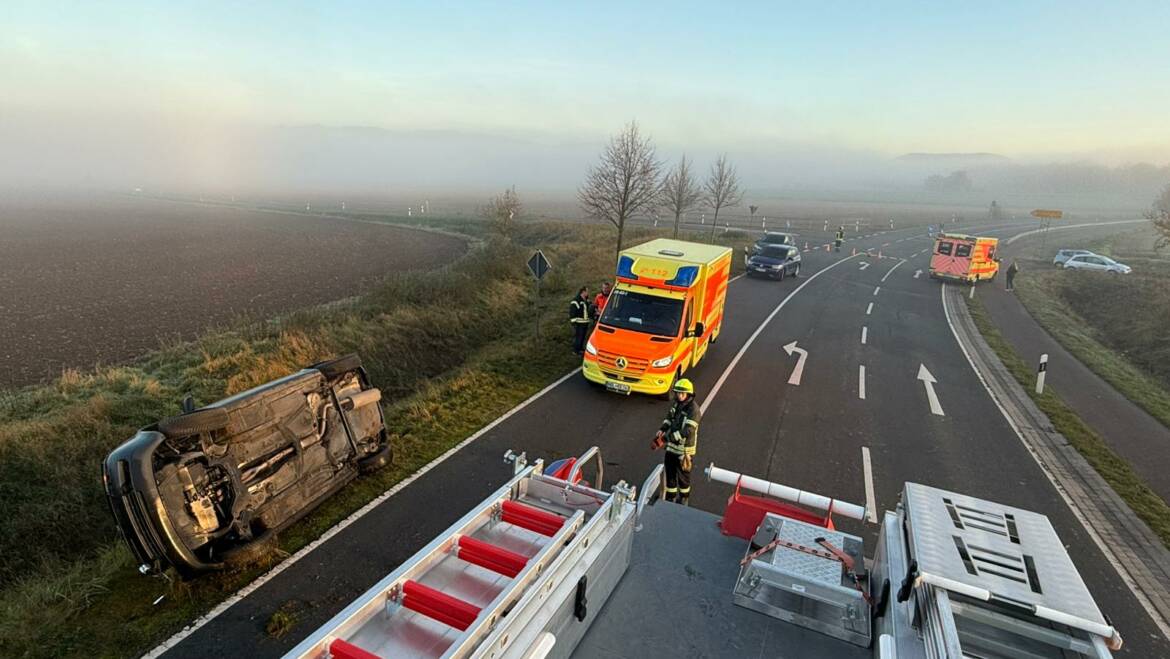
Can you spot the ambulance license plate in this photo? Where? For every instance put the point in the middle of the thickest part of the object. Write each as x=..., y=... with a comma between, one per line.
x=618, y=387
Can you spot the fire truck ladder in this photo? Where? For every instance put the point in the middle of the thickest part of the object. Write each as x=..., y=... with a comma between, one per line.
x=501, y=580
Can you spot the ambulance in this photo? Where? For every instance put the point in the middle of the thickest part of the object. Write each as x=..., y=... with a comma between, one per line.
x=968, y=259
x=665, y=310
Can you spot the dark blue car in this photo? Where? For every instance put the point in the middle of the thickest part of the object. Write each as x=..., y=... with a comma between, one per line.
x=774, y=261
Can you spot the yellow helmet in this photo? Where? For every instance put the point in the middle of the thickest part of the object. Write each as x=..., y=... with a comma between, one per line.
x=684, y=386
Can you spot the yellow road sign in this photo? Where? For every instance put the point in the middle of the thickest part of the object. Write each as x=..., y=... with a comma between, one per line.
x=1050, y=214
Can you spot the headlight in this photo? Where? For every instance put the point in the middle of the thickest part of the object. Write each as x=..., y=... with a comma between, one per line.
x=777, y=266
x=589, y=348
x=662, y=363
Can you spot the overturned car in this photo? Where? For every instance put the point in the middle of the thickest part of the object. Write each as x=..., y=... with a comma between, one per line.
x=210, y=488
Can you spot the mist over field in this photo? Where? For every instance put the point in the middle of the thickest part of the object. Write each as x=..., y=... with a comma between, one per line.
x=307, y=160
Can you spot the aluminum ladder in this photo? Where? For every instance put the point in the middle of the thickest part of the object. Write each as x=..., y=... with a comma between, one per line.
x=492, y=584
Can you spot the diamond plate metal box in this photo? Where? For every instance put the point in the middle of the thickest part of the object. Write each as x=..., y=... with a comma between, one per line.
x=804, y=588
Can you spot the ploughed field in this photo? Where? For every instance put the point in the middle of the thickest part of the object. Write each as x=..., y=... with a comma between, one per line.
x=103, y=279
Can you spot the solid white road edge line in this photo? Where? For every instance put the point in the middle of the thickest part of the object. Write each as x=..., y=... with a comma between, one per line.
x=752, y=339
x=891, y=270
x=1105, y=549
x=353, y=517
x=1070, y=226
x=870, y=499
x=861, y=381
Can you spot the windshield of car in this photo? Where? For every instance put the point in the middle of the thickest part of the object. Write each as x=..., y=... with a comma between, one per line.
x=774, y=252
x=774, y=239
x=643, y=313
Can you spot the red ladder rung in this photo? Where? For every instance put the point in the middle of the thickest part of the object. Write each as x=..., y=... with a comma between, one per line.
x=340, y=649
x=438, y=606
x=533, y=519
x=491, y=557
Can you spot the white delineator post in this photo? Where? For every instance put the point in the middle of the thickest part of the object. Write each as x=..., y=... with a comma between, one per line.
x=786, y=493
x=1041, y=372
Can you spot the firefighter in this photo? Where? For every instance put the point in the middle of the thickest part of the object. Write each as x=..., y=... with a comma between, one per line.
x=579, y=319
x=840, y=237
x=679, y=434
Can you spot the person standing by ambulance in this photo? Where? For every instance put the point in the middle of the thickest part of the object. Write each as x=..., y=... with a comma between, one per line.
x=679, y=434
x=579, y=319
x=600, y=300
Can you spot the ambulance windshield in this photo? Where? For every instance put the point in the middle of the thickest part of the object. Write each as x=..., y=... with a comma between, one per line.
x=643, y=313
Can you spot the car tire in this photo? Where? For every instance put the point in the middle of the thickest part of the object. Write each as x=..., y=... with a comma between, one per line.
x=781, y=277
x=194, y=423
x=378, y=460
x=248, y=553
x=333, y=368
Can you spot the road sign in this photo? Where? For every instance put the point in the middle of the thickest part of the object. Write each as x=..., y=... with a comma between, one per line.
x=1048, y=214
x=538, y=265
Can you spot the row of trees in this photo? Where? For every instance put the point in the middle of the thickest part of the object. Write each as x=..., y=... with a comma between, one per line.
x=630, y=181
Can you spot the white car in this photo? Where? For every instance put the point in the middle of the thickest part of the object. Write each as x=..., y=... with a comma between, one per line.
x=1066, y=254
x=1098, y=263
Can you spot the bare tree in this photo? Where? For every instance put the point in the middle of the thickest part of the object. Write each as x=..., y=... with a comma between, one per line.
x=680, y=192
x=501, y=210
x=722, y=189
x=1159, y=214
x=625, y=183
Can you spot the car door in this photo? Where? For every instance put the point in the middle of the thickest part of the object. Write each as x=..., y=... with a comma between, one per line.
x=1076, y=263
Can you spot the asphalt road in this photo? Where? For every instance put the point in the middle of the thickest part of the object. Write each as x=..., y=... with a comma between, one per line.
x=810, y=436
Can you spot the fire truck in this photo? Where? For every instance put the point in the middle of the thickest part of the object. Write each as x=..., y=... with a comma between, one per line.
x=554, y=565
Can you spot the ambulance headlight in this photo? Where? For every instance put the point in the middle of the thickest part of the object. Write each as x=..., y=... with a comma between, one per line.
x=662, y=363
x=590, y=348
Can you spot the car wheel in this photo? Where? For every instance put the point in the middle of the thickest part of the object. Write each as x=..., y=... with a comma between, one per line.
x=245, y=554
x=333, y=368
x=377, y=461
x=194, y=423
x=781, y=277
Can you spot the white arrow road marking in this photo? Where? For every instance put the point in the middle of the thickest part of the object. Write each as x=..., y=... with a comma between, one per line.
x=799, y=370
x=861, y=381
x=928, y=382
x=869, y=309
x=864, y=265
x=918, y=273
x=864, y=333
x=870, y=499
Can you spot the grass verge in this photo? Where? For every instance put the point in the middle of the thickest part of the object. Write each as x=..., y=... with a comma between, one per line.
x=1115, y=470
x=451, y=349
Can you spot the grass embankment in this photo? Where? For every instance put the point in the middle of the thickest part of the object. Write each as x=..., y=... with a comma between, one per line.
x=1114, y=469
x=1114, y=324
x=451, y=350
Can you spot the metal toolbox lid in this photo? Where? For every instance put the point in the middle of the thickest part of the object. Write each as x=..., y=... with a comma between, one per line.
x=989, y=551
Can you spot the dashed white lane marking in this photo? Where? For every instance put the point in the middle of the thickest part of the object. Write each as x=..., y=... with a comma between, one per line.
x=869, y=309
x=870, y=499
x=876, y=289
x=860, y=382
x=887, y=275
x=752, y=339
x=864, y=334
x=885, y=244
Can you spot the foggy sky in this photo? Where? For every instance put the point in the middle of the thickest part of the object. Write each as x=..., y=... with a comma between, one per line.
x=367, y=97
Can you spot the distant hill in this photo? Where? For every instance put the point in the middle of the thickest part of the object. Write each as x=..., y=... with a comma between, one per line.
x=942, y=158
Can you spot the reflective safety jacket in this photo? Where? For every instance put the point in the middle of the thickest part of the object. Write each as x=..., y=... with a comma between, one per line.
x=840, y=235
x=578, y=310
x=681, y=427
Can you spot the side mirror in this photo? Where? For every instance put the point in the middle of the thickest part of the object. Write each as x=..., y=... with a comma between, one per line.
x=698, y=331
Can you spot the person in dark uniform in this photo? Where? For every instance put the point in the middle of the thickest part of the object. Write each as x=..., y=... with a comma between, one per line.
x=579, y=319
x=840, y=238
x=679, y=434
x=1012, y=270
